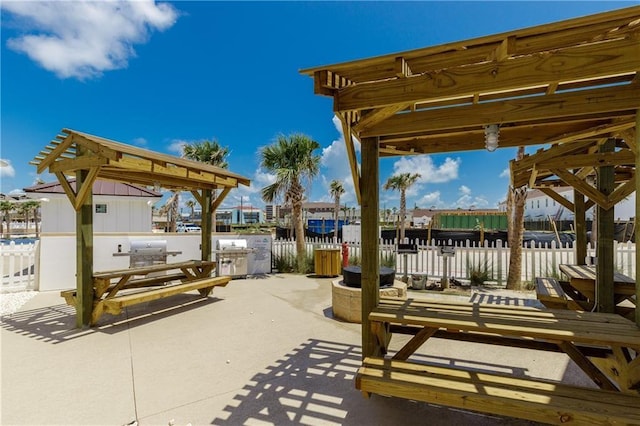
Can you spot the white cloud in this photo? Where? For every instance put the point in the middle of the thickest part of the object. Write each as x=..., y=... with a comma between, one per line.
x=6, y=169
x=140, y=142
x=335, y=163
x=82, y=39
x=506, y=173
x=467, y=200
x=176, y=146
x=429, y=172
x=431, y=199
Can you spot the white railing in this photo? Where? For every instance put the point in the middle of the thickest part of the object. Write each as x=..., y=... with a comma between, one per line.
x=18, y=266
x=537, y=261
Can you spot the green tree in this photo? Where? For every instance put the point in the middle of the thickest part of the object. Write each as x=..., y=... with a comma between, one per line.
x=401, y=182
x=208, y=152
x=292, y=160
x=6, y=207
x=192, y=205
x=336, y=190
x=31, y=207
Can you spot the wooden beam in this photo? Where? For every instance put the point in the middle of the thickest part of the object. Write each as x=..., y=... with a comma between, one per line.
x=84, y=249
x=77, y=163
x=605, y=129
x=559, y=198
x=553, y=152
x=604, y=247
x=207, y=224
x=601, y=159
x=370, y=185
x=582, y=186
x=402, y=68
x=198, y=196
x=574, y=63
x=569, y=104
x=580, y=226
x=373, y=117
x=351, y=154
x=220, y=198
x=53, y=155
x=622, y=192
x=84, y=188
x=66, y=187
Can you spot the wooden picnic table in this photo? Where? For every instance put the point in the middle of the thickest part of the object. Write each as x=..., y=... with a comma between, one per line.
x=604, y=346
x=582, y=278
x=116, y=289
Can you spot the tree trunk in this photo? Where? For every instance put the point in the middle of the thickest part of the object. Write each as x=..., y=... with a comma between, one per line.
x=403, y=214
x=516, y=200
x=336, y=211
x=301, y=250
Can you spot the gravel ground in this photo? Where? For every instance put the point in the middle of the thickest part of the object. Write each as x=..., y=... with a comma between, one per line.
x=10, y=302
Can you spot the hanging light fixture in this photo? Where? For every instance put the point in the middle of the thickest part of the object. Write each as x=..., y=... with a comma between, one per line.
x=491, y=134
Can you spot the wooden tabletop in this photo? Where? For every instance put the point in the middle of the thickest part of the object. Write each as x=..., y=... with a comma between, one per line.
x=512, y=321
x=144, y=270
x=588, y=272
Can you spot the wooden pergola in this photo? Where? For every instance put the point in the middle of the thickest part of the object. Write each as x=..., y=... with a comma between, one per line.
x=572, y=85
x=88, y=157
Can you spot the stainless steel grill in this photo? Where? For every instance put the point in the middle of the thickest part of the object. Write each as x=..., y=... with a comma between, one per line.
x=232, y=257
x=147, y=253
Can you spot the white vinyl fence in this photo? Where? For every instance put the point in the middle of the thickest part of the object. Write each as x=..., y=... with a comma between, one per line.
x=469, y=257
x=18, y=266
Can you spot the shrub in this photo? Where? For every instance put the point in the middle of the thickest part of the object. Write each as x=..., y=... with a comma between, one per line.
x=479, y=273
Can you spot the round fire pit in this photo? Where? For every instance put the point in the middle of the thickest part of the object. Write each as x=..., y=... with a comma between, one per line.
x=352, y=276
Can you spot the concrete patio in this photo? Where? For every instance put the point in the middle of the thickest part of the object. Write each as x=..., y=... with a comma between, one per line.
x=260, y=351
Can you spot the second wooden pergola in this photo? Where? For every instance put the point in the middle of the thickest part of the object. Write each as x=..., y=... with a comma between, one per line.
x=567, y=84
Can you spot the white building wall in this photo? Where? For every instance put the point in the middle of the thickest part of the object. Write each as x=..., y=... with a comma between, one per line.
x=124, y=214
x=540, y=206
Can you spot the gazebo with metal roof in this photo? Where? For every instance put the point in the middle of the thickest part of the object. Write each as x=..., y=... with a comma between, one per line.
x=89, y=157
x=572, y=85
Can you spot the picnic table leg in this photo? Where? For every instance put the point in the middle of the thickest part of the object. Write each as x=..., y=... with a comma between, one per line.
x=587, y=366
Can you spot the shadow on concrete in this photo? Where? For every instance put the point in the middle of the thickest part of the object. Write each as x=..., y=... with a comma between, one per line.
x=57, y=324
x=315, y=384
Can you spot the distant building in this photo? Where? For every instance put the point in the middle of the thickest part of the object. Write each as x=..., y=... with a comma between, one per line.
x=117, y=207
x=239, y=215
x=540, y=207
x=319, y=211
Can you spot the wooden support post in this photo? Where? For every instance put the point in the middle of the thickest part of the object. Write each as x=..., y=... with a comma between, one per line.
x=580, y=225
x=637, y=178
x=604, y=249
x=206, y=224
x=84, y=254
x=369, y=187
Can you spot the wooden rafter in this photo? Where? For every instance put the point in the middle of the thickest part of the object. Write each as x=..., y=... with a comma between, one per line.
x=351, y=152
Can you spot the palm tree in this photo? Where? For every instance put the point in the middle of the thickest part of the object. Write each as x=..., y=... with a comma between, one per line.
x=292, y=160
x=401, y=182
x=31, y=207
x=516, y=199
x=191, y=204
x=209, y=152
x=5, y=208
x=337, y=190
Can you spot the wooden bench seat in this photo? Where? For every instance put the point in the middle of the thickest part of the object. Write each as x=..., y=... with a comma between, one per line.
x=550, y=293
x=114, y=305
x=526, y=398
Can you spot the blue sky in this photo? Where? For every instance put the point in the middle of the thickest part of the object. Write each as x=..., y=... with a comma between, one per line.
x=159, y=74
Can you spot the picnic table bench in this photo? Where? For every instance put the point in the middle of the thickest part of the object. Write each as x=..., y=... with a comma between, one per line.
x=117, y=289
x=604, y=346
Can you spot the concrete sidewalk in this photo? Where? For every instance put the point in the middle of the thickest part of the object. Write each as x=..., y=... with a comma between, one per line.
x=259, y=351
